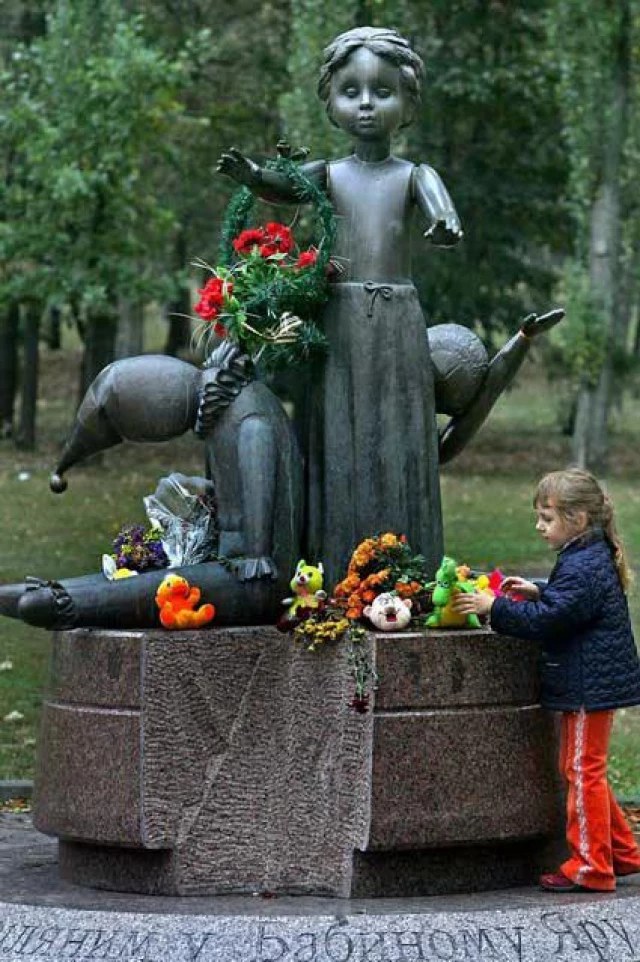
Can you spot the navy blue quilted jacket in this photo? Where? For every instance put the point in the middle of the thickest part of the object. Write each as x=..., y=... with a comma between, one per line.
x=589, y=657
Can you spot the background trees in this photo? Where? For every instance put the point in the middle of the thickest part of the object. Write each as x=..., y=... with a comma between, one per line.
x=598, y=100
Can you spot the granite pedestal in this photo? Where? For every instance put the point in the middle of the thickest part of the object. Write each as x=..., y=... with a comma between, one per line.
x=230, y=760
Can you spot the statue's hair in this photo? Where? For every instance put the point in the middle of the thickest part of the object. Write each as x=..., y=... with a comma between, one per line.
x=385, y=43
x=226, y=371
x=573, y=491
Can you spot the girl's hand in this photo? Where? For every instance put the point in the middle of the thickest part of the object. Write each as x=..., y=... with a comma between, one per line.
x=472, y=603
x=445, y=232
x=242, y=169
x=519, y=586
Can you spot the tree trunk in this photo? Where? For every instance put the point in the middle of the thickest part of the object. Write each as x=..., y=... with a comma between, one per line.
x=54, y=329
x=130, y=337
x=179, y=310
x=179, y=326
x=590, y=440
x=26, y=437
x=99, y=347
x=9, y=323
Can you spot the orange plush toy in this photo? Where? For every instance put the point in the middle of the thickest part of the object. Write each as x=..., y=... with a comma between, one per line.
x=176, y=600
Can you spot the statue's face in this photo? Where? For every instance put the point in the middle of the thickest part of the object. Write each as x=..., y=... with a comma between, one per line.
x=367, y=100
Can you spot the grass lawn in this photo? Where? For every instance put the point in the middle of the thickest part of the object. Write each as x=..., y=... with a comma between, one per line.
x=487, y=509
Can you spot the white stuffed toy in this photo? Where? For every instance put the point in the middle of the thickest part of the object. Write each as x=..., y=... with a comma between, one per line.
x=389, y=613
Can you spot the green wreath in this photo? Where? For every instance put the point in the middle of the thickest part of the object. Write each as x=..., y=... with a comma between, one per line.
x=301, y=293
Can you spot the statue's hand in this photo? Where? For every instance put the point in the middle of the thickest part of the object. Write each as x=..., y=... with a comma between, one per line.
x=240, y=168
x=445, y=232
x=251, y=569
x=533, y=325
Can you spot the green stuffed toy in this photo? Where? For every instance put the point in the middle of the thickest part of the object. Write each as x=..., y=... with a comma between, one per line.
x=446, y=585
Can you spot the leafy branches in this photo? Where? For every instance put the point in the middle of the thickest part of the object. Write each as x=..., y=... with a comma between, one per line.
x=83, y=112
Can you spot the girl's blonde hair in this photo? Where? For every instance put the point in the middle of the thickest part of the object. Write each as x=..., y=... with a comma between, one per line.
x=573, y=491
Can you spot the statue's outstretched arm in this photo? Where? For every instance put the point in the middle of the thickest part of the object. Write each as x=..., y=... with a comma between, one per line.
x=258, y=461
x=269, y=185
x=434, y=202
x=502, y=370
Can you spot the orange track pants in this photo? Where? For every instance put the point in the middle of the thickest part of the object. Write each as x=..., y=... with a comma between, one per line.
x=601, y=844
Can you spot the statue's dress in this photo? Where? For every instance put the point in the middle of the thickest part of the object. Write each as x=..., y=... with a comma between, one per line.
x=372, y=455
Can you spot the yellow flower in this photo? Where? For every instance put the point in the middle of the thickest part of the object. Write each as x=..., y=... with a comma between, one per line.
x=388, y=540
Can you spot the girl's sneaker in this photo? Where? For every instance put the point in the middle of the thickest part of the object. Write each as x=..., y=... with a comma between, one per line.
x=558, y=882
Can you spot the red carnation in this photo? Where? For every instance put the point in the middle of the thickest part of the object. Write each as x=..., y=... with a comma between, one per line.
x=307, y=258
x=248, y=239
x=212, y=298
x=360, y=704
x=279, y=239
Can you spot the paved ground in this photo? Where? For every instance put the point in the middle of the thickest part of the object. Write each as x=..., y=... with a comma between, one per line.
x=29, y=876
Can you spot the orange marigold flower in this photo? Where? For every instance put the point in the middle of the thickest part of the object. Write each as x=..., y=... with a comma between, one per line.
x=354, y=612
x=364, y=552
x=361, y=559
x=407, y=589
x=378, y=577
x=347, y=585
x=368, y=596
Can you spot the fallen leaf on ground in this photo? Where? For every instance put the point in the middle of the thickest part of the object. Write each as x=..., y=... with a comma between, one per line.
x=13, y=716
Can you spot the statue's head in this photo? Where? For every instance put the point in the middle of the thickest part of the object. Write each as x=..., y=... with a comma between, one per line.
x=401, y=69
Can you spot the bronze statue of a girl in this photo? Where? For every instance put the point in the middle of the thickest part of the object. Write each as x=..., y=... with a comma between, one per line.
x=372, y=441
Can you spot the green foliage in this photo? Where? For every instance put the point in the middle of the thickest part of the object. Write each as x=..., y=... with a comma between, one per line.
x=314, y=23
x=583, y=56
x=230, y=95
x=580, y=342
x=83, y=115
x=488, y=124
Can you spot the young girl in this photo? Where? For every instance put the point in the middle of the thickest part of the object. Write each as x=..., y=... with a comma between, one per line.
x=589, y=666
x=371, y=437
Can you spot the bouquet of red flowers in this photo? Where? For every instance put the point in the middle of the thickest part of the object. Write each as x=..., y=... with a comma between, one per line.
x=267, y=292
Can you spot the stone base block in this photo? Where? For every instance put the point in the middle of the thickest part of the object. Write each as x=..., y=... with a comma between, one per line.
x=230, y=760
x=449, y=871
